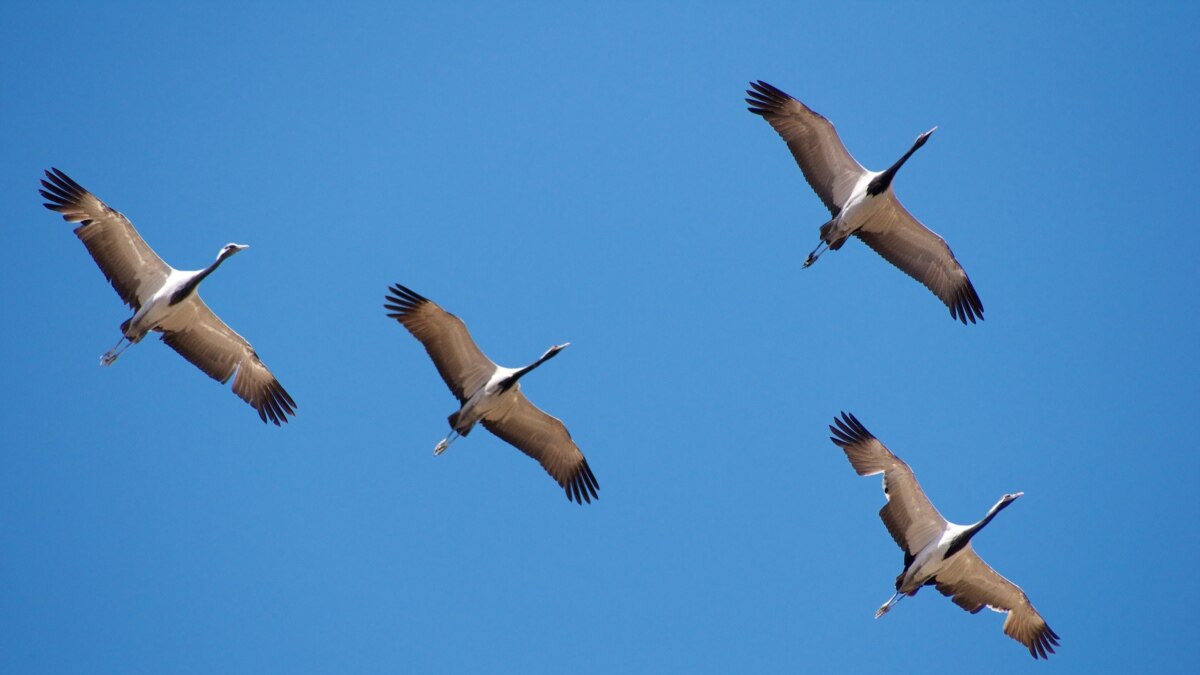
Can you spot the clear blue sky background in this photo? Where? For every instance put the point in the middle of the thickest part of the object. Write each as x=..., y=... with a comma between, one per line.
x=592, y=175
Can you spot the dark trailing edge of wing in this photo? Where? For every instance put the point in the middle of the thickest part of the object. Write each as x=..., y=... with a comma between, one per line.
x=583, y=484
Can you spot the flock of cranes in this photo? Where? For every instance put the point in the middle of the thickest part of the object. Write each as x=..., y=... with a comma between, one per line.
x=861, y=203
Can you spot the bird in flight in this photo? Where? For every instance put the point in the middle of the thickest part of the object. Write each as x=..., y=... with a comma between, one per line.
x=165, y=300
x=491, y=394
x=862, y=202
x=937, y=552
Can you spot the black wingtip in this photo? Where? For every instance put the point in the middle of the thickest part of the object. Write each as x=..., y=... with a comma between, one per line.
x=402, y=300
x=761, y=89
x=848, y=431
x=967, y=306
x=276, y=404
x=60, y=192
x=1043, y=644
x=583, y=487
x=765, y=99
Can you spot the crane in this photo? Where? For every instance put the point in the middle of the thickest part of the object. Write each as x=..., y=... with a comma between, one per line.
x=166, y=300
x=862, y=202
x=491, y=394
x=936, y=551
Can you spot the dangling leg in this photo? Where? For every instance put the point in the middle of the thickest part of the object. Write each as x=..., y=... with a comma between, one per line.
x=112, y=354
x=816, y=253
x=445, y=443
x=888, y=605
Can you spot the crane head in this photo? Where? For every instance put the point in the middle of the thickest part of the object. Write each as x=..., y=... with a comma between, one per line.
x=923, y=137
x=229, y=249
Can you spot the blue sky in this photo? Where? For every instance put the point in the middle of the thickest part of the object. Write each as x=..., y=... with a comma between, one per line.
x=551, y=174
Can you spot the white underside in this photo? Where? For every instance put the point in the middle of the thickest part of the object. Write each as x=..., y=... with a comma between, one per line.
x=158, y=307
x=930, y=560
x=859, y=209
x=488, y=401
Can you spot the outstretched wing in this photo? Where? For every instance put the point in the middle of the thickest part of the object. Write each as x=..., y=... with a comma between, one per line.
x=903, y=241
x=909, y=516
x=546, y=439
x=971, y=584
x=127, y=261
x=458, y=359
x=827, y=165
x=210, y=345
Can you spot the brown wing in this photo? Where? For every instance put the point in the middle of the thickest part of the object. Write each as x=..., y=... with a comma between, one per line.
x=130, y=265
x=972, y=584
x=903, y=241
x=909, y=516
x=459, y=361
x=546, y=439
x=827, y=165
x=210, y=345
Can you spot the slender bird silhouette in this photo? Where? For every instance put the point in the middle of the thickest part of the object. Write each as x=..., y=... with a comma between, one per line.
x=491, y=394
x=862, y=202
x=936, y=551
x=165, y=299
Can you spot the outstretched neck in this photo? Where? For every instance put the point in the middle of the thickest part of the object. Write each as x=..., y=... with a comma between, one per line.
x=511, y=380
x=193, y=283
x=965, y=538
x=883, y=181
